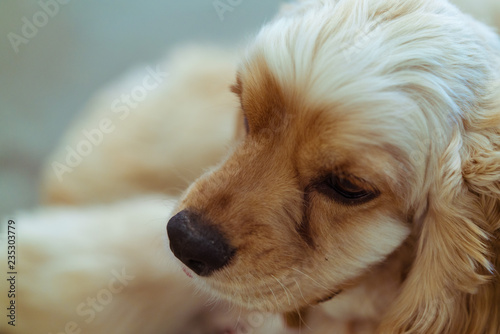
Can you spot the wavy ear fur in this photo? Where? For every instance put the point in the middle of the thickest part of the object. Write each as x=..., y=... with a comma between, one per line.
x=453, y=286
x=481, y=173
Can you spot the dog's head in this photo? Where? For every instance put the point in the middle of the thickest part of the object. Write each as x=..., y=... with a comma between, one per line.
x=364, y=124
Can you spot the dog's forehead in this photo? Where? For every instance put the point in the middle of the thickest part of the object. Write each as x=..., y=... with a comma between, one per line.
x=358, y=61
x=358, y=122
x=323, y=137
x=298, y=76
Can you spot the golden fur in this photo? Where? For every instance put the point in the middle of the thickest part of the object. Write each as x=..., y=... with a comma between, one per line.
x=412, y=116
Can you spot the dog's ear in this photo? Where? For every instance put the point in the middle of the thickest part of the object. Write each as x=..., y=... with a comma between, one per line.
x=454, y=257
x=481, y=173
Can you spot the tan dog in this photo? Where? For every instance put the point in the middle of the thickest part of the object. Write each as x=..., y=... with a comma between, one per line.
x=369, y=172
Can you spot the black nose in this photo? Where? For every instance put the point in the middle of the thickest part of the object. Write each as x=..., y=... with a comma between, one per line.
x=197, y=243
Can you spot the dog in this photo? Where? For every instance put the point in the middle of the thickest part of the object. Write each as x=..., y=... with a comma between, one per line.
x=367, y=176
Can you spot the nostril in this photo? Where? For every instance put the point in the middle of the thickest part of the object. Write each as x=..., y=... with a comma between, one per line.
x=197, y=243
x=196, y=266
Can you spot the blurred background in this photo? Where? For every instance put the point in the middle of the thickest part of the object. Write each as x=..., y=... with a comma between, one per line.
x=55, y=54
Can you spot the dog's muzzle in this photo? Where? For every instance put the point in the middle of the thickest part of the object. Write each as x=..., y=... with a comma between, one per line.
x=197, y=243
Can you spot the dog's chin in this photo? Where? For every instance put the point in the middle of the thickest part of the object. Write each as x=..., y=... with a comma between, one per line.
x=271, y=302
x=273, y=298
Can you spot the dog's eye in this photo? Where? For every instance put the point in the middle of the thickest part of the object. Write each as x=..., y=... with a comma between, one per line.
x=245, y=122
x=346, y=192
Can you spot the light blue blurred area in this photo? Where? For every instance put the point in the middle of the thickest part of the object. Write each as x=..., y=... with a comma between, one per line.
x=86, y=45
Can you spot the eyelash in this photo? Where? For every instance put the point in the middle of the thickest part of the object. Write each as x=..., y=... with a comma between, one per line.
x=245, y=123
x=336, y=188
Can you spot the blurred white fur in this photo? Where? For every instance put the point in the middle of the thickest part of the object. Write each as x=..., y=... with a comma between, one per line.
x=181, y=127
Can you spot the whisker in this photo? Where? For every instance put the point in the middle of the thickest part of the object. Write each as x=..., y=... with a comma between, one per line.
x=238, y=320
x=284, y=289
x=302, y=321
x=300, y=291
x=297, y=309
x=277, y=304
x=312, y=279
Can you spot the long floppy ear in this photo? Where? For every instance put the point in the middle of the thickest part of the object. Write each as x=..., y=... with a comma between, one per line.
x=450, y=280
x=482, y=174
